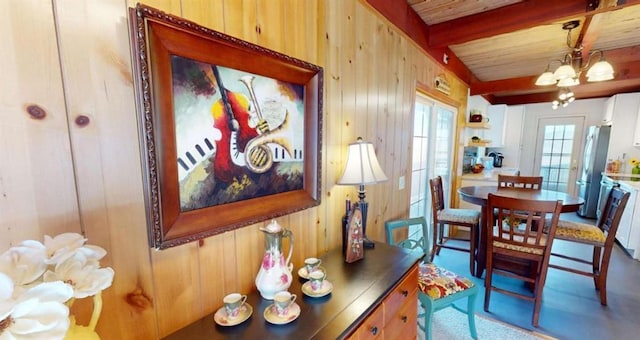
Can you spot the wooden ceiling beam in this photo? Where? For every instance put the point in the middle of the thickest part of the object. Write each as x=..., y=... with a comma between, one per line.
x=503, y=85
x=502, y=20
x=511, y=18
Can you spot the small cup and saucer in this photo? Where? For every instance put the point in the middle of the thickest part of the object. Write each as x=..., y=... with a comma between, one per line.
x=318, y=285
x=235, y=310
x=311, y=264
x=283, y=310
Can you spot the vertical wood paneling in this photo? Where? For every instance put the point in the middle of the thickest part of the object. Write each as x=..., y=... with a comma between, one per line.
x=98, y=85
x=178, y=290
x=369, y=83
x=240, y=19
x=271, y=23
x=37, y=185
x=209, y=13
x=333, y=146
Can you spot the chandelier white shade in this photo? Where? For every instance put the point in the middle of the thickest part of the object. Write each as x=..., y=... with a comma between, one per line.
x=600, y=71
x=362, y=165
x=546, y=78
x=564, y=71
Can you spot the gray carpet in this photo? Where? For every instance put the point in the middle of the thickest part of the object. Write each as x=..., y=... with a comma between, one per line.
x=450, y=324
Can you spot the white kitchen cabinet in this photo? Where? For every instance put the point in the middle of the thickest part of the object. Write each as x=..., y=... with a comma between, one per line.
x=498, y=120
x=623, y=127
x=628, y=233
x=607, y=118
x=636, y=135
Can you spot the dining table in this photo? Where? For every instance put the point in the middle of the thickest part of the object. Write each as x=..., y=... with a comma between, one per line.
x=479, y=195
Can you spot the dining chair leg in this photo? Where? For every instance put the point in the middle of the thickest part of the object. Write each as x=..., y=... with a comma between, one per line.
x=428, y=316
x=471, y=316
x=472, y=250
x=602, y=275
x=536, y=304
x=487, y=283
x=595, y=262
x=434, y=246
x=440, y=237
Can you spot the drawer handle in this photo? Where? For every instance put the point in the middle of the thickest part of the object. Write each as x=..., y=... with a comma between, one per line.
x=404, y=293
x=374, y=330
x=404, y=318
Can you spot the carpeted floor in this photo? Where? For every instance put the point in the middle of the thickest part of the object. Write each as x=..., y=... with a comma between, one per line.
x=450, y=324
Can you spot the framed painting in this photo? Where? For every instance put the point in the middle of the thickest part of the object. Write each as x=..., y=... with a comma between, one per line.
x=229, y=130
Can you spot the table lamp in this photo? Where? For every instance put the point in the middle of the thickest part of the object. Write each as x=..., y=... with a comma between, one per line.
x=362, y=168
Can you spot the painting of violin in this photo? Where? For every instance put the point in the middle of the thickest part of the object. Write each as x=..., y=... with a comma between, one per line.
x=242, y=153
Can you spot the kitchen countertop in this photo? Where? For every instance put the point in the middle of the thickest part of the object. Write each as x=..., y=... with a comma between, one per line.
x=624, y=178
x=489, y=175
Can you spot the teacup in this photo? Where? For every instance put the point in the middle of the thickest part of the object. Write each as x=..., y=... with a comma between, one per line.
x=316, y=280
x=232, y=304
x=282, y=301
x=312, y=264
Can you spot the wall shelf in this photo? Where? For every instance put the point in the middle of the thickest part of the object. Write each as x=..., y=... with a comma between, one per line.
x=478, y=125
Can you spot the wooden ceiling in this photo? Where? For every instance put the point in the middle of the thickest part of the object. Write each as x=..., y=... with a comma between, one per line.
x=500, y=47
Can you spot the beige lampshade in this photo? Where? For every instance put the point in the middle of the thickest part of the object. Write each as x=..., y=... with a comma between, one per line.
x=362, y=165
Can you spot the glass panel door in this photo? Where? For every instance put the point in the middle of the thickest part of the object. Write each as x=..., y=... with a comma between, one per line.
x=433, y=145
x=556, y=148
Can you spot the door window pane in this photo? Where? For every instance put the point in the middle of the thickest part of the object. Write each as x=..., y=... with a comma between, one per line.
x=555, y=160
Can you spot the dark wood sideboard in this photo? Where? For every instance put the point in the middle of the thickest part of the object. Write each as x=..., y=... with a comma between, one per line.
x=377, y=294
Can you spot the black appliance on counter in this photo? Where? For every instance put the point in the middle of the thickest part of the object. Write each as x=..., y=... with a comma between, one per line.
x=593, y=164
x=497, y=159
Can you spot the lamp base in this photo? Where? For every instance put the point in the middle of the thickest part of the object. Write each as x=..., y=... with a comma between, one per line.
x=367, y=243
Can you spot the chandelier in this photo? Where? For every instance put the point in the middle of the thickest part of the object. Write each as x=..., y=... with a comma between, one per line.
x=570, y=69
x=565, y=96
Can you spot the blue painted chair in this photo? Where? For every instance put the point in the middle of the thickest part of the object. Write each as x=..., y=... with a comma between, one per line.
x=439, y=288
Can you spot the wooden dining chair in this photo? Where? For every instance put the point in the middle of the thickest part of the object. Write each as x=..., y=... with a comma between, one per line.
x=601, y=237
x=442, y=217
x=438, y=288
x=516, y=249
x=522, y=182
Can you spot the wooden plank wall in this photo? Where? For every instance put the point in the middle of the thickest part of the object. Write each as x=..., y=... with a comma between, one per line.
x=69, y=62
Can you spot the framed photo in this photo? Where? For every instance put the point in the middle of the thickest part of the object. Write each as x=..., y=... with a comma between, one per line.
x=230, y=131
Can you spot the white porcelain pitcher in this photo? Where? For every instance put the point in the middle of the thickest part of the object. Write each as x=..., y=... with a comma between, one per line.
x=275, y=272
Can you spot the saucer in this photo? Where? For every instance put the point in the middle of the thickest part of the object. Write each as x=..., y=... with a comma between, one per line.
x=272, y=317
x=222, y=319
x=302, y=272
x=327, y=288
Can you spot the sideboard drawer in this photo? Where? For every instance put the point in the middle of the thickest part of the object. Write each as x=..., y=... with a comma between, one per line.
x=403, y=324
x=372, y=327
x=401, y=295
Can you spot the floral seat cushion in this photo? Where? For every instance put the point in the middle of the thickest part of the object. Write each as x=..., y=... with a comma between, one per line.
x=580, y=232
x=459, y=215
x=437, y=282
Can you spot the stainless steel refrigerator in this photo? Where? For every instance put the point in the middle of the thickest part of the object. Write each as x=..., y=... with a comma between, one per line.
x=593, y=164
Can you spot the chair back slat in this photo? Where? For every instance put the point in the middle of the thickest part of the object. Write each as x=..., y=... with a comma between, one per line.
x=437, y=194
x=522, y=182
x=520, y=223
x=613, y=209
x=421, y=242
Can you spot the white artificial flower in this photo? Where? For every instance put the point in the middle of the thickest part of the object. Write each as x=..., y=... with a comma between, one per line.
x=83, y=273
x=38, y=313
x=63, y=246
x=24, y=263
